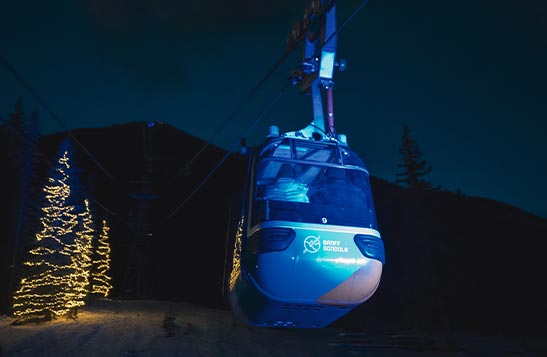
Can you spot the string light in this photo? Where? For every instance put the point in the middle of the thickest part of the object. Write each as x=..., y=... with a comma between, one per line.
x=56, y=265
x=81, y=256
x=236, y=260
x=100, y=283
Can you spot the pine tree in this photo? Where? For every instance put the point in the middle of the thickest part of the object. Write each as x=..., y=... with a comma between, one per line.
x=54, y=262
x=81, y=254
x=414, y=167
x=11, y=158
x=19, y=138
x=18, y=117
x=26, y=213
x=100, y=281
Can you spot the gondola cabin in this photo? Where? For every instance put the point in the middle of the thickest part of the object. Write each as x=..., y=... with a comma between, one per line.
x=307, y=247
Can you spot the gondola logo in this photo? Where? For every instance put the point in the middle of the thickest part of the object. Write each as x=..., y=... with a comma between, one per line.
x=312, y=244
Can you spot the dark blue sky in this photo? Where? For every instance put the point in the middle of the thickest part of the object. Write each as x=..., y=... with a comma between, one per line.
x=467, y=76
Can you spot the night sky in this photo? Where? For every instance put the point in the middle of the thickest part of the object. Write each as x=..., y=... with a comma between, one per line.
x=468, y=77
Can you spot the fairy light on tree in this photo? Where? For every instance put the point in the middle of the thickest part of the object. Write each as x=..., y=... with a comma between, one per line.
x=100, y=280
x=54, y=266
x=81, y=256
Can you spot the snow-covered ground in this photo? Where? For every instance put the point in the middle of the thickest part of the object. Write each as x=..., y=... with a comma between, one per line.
x=136, y=328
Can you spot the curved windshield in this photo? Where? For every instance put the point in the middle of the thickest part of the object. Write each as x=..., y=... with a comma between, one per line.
x=312, y=193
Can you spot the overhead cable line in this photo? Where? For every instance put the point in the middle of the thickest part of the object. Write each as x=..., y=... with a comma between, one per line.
x=43, y=104
x=290, y=47
x=232, y=115
x=339, y=28
x=344, y=24
x=228, y=153
x=44, y=157
x=258, y=119
x=22, y=137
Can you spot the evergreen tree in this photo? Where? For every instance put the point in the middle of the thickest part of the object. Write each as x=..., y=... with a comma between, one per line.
x=19, y=138
x=13, y=146
x=414, y=167
x=17, y=119
x=100, y=280
x=81, y=254
x=26, y=213
x=54, y=262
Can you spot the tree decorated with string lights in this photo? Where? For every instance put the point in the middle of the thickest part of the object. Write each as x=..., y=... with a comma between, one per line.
x=81, y=254
x=100, y=278
x=55, y=269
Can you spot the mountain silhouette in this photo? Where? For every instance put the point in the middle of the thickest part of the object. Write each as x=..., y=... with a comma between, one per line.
x=452, y=261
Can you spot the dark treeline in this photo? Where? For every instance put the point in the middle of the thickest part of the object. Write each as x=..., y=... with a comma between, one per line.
x=452, y=261
x=19, y=138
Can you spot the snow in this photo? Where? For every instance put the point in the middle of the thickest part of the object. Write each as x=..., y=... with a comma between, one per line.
x=135, y=328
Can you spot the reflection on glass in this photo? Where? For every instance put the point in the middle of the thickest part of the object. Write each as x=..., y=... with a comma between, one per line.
x=312, y=193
